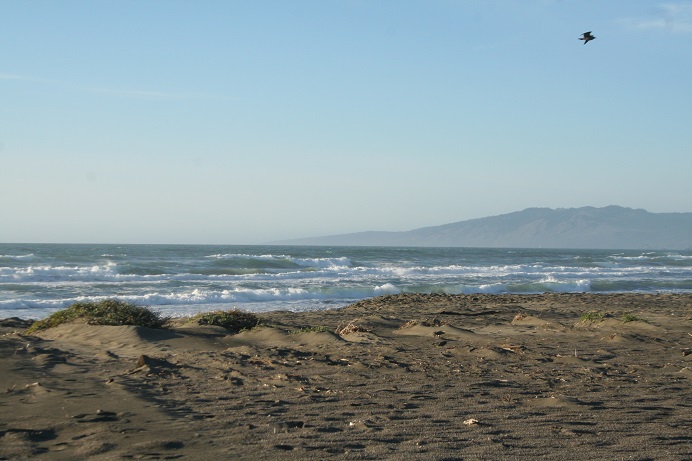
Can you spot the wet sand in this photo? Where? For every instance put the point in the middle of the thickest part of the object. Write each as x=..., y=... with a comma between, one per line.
x=407, y=377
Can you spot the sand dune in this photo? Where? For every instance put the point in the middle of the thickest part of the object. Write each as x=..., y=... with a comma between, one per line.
x=408, y=377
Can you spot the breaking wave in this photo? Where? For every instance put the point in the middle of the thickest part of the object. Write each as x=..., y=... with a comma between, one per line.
x=176, y=279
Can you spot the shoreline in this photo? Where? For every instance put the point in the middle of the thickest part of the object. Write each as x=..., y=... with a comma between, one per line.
x=412, y=376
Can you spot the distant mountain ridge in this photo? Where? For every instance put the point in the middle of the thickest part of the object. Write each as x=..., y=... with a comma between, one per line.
x=611, y=227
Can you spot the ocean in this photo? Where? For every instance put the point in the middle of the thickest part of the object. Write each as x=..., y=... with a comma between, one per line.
x=39, y=279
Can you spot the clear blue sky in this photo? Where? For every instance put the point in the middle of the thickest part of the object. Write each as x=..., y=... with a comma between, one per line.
x=249, y=121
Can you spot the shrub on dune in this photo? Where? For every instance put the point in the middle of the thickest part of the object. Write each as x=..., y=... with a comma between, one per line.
x=233, y=320
x=629, y=317
x=593, y=316
x=106, y=312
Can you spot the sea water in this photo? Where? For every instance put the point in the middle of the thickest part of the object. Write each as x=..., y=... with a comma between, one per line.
x=38, y=279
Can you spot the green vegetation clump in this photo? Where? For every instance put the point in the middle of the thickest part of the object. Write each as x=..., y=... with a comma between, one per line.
x=593, y=316
x=627, y=317
x=233, y=320
x=106, y=312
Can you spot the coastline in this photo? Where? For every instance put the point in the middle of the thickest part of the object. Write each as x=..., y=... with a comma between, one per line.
x=37, y=280
x=409, y=377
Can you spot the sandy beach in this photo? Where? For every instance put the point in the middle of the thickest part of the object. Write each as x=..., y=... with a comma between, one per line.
x=405, y=377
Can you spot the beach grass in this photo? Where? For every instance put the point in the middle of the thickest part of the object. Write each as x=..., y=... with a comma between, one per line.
x=593, y=316
x=629, y=317
x=105, y=312
x=233, y=320
x=117, y=312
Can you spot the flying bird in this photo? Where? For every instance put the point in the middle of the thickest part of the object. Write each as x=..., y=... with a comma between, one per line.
x=586, y=36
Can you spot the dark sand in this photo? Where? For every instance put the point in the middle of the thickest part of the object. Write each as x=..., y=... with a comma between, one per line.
x=430, y=377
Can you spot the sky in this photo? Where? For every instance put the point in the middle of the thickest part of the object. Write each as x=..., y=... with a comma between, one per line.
x=245, y=122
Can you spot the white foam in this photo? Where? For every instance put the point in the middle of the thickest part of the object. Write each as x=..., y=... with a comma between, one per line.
x=229, y=296
x=19, y=257
x=306, y=262
x=561, y=286
x=386, y=289
x=491, y=288
x=328, y=263
x=313, y=279
x=46, y=272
